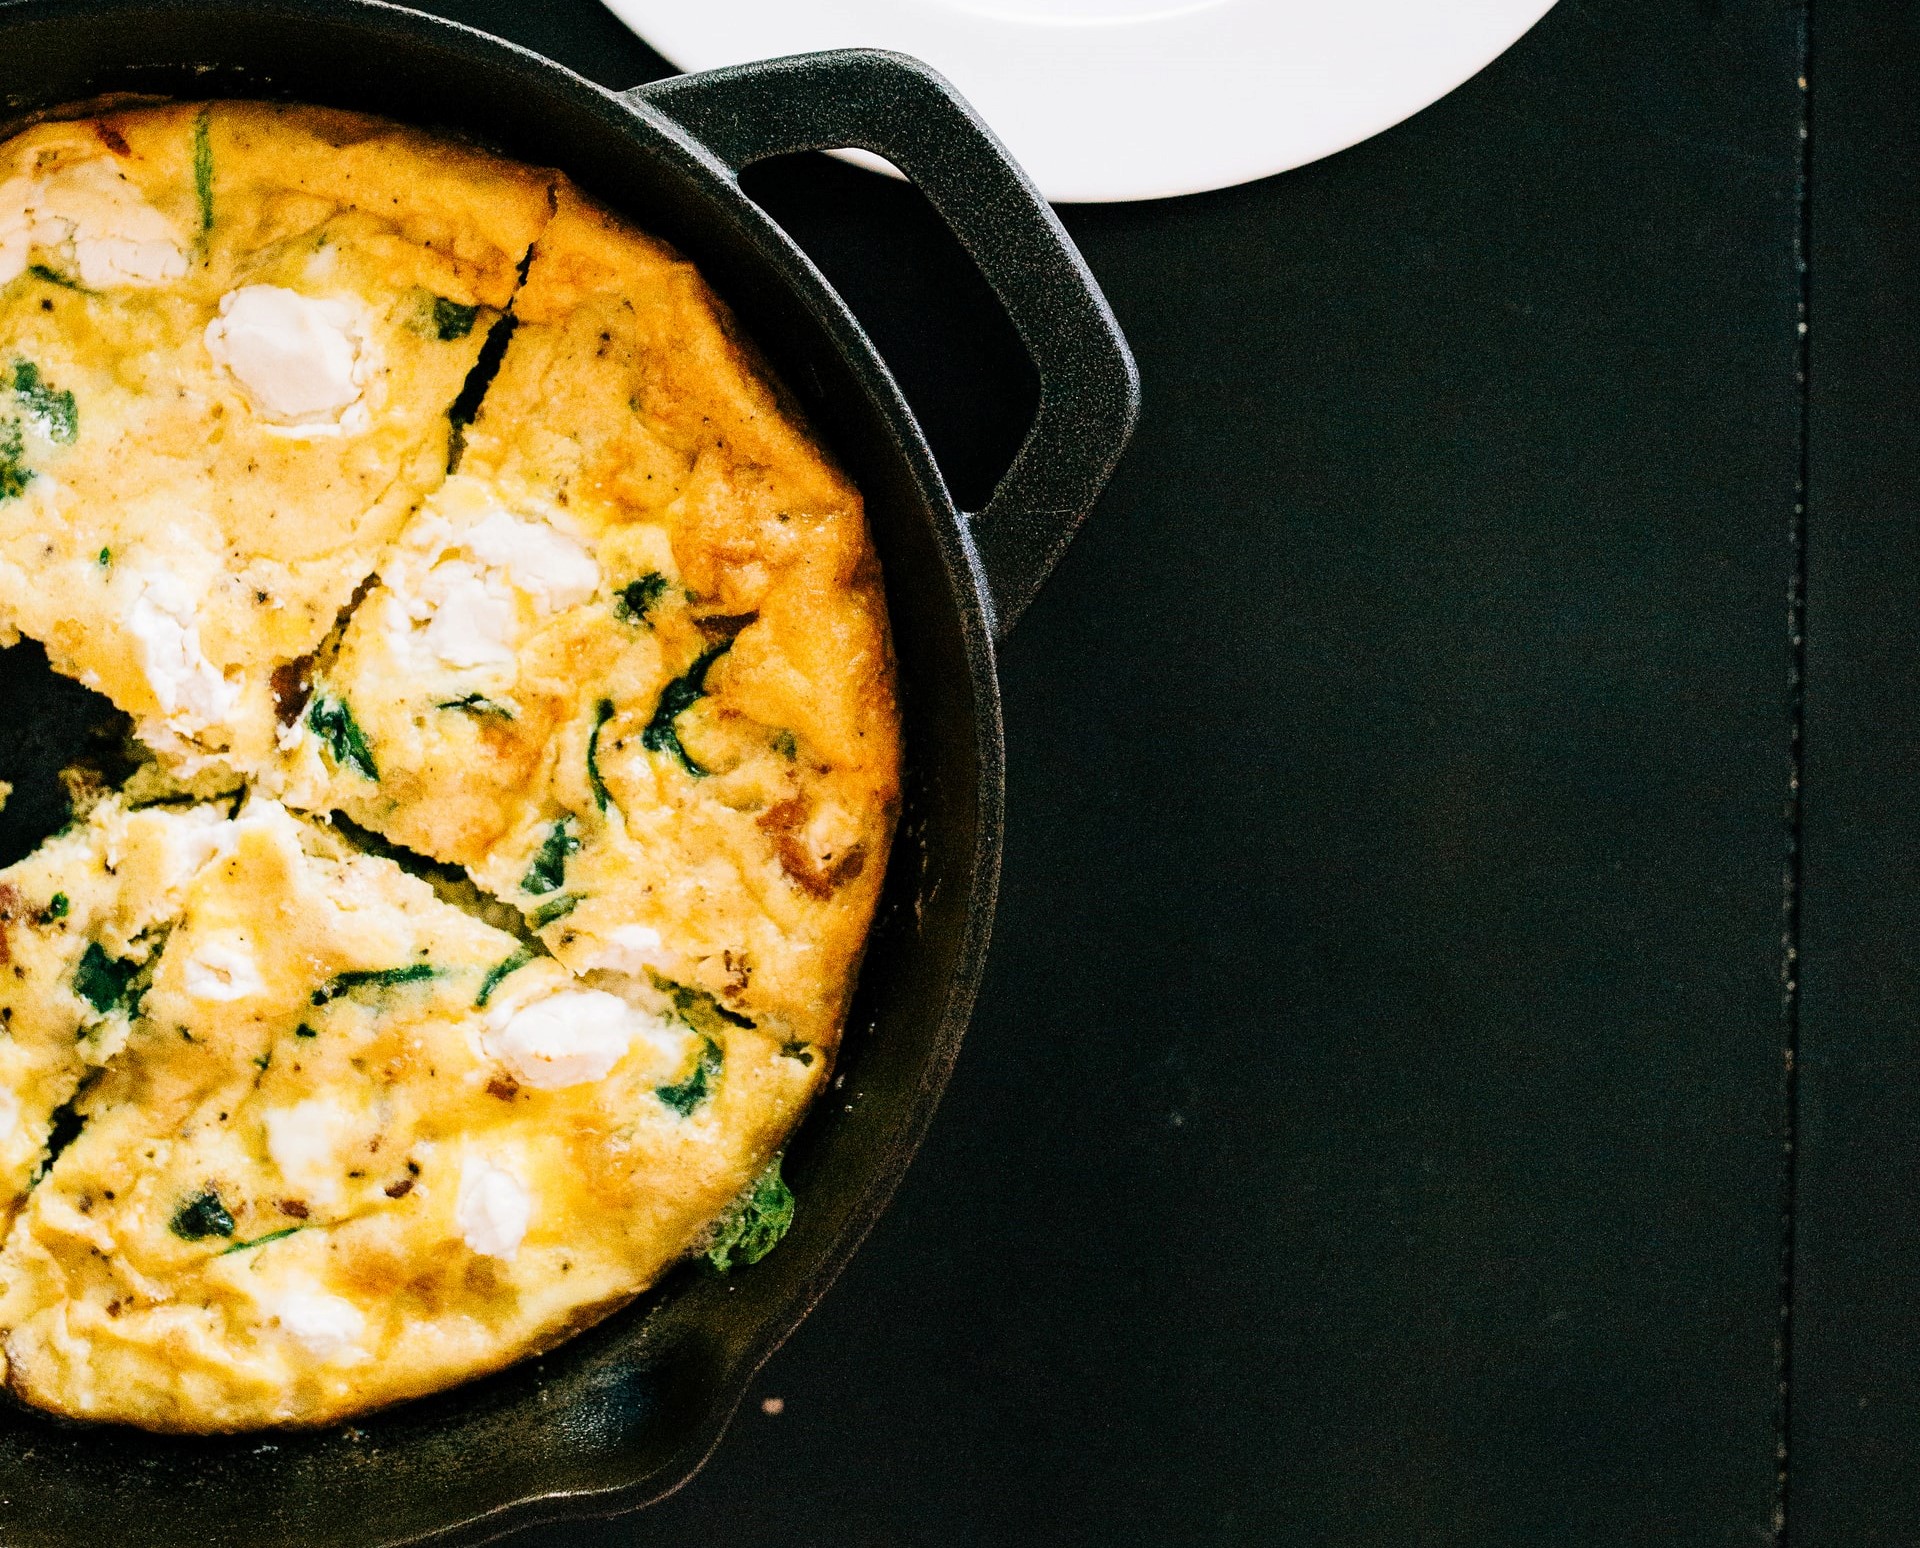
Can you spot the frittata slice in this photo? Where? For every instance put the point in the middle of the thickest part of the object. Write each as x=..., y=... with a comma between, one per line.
x=436, y=713
x=631, y=668
x=81, y=922
x=360, y=1146
x=232, y=337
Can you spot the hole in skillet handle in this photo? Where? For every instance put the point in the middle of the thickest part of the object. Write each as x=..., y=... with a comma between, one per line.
x=930, y=313
x=904, y=112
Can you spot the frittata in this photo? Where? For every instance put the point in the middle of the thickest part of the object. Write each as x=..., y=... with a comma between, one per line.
x=517, y=672
x=630, y=665
x=229, y=340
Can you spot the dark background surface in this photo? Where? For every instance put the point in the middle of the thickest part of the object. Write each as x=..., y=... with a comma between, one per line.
x=1856, y=1363
x=1375, y=1128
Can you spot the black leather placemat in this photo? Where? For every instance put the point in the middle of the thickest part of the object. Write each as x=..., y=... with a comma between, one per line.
x=1372, y=1130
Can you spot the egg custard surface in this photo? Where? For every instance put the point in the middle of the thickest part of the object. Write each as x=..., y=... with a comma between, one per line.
x=414, y=509
x=232, y=336
x=630, y=665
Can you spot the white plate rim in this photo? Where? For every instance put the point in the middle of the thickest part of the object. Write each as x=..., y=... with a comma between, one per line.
x=1192, y=96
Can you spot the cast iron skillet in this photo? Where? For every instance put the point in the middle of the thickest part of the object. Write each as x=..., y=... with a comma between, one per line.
x=627, y=1412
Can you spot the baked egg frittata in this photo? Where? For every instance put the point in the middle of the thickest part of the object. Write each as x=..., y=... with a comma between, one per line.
x=231, y=337
x=629, y=666
x=514, y=673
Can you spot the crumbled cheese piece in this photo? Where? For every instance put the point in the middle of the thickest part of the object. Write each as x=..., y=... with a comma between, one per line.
x=302, y=362
x=493, y=1209
x=223, y=968
x=569, y=1038
x=329, y=1326
x=16, y=227
x=463, y=611
x=113, y=261
x=193, y=694
x=88, y=222
x=550, y=567
x=203, y=834
x=305, y=1141
x=468, y=622
x=471, y=578
x=198, y=836
x=630, y=949
x=9, y=1112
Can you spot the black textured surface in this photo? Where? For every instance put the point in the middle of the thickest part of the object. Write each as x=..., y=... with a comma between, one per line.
x=1856, y=1388
x=1372, y=1128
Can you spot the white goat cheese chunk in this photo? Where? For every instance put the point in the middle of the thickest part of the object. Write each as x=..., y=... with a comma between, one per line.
x=329, y=1326
x=89, y=223
x=304, y=1142
x=553, y=570
x=493, y=1209
x=223, y=968
x=193, y=839
x=569, y=1038
x=191, y=690
x=301, y=362
x=630, y=949
x=468, y=622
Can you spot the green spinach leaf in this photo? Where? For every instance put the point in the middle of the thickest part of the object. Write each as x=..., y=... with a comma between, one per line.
x=373, y=978
x=635, y=600
x=52, y=276
x=55, y=412
x=15, y=475
x=332, y=721
x=754, y=1223
x=676, y=699
x=687, y=1095
x=203, y=171
x=499, y=973
x=697, y=1008
x=559, y=908
x=477, y=705
x=201, y=1216
x=602, y=713
x=102, y=981
x=549, y=869
x=451, y=320
x=259, y=1241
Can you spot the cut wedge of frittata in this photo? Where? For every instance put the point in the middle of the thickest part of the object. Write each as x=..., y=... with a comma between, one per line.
x=230, y=338
x=630, y=667
x=356, y=1146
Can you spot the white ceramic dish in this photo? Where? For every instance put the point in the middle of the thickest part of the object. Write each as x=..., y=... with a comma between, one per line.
x=1136, y=99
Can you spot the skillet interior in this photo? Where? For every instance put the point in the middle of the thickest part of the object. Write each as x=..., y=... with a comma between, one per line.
x=629, y=1410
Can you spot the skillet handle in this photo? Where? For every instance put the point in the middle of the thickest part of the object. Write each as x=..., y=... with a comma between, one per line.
x=903, y=110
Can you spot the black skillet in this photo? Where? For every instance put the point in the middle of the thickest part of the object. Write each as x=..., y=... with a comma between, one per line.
x=628, y=1411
